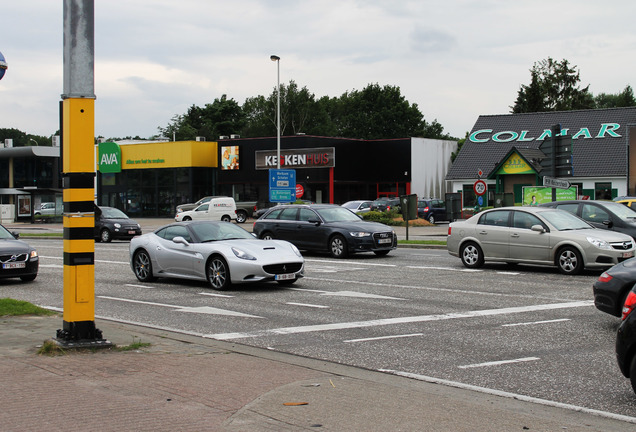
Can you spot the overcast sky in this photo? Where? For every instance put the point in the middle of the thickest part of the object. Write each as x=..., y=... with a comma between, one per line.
x=454, y=59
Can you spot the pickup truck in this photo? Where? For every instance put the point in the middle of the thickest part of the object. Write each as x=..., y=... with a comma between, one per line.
x=244, y=209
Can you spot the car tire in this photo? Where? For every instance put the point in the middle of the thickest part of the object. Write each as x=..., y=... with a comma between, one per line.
x=381, y=253
x=218, y=273
x=142, y=266
x=105, y=236
x=28, y=278
x=226, y=218
x=338, y=246
x=431, y=219
x=632, y=373
x=267, y=236
x=472, y=256
x=241, y=216
x=569, y=261
x=186, y=218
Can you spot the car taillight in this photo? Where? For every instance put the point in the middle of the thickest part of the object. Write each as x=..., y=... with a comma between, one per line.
x=449, y=230
x=605, y=277
x=388, y=208
x=425, y=209
x=630, y=303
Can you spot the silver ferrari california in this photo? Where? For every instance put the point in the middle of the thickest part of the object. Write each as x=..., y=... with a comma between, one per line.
x=220, y=252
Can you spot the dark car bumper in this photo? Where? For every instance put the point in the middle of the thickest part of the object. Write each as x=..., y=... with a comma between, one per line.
x=626, y=343
x=31, y=268
x=376, y=242
x=125, y=233
x=609, y=297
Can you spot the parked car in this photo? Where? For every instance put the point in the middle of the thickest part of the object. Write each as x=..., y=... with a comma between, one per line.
x=628, y=201
x=385, y=204
x=218, y=252
x=626, y=340
x=217, y=208
x=264, y=207
x=431, y=209
x=536, y=235
x=607, y=215
x=114, y=224
x=358, y=206
x=46, y=208
x=325, y=228
x=244, y=209
x=17, y=257
x=613, y=286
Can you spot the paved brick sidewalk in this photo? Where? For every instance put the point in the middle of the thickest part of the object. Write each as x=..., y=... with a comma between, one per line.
x=189, y=383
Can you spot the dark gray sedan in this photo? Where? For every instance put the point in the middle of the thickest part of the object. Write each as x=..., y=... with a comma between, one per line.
x=325, y=228
x=17, y=258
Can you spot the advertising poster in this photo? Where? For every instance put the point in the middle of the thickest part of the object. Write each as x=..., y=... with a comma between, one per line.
x=229, y=157
x=24, y=205
x=535, y=195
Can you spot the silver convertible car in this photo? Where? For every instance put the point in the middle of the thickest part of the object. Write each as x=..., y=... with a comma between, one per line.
x=536, y=235
x=220, y=252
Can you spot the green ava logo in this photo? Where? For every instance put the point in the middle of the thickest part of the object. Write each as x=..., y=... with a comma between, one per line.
x=109, y=157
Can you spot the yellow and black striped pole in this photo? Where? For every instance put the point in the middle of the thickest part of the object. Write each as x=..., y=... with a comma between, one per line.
x=78, y=177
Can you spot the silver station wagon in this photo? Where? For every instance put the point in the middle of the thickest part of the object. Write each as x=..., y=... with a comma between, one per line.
x=536, y=235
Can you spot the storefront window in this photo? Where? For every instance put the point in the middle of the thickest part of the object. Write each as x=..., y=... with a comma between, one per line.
x=603, y=191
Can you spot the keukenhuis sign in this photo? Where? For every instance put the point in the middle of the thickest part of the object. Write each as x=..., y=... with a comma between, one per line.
x=603, y=131
x=324, y=157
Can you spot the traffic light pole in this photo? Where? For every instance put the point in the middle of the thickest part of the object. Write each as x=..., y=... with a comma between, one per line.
x=78, y=178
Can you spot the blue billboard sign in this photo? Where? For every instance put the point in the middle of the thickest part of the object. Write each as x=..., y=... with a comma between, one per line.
x=282, y=185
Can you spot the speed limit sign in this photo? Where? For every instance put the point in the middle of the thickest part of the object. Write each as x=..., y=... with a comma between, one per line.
x=479, y=187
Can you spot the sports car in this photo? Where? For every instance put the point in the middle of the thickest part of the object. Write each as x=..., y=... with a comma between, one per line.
x=221, y=253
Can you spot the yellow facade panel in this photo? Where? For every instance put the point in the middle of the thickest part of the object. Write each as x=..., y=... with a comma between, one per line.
x=79, y=135
x=171, y=154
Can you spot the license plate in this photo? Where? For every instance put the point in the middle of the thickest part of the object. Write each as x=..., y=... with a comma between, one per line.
x=13, y=265
x=386, y=240
x=628, y=254
x=131, y=232
x=286, y=276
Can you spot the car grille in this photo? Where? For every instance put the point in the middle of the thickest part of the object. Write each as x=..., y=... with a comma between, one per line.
x=622, y=245
x=14, y=258
x=283, y=268
x=383, y=236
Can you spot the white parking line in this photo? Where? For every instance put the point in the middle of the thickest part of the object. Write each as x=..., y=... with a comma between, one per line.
x=401, y=320
x=139, y=286
x=358, y=263
x=307, y=305
x=384, y=337
x=201, y=309
x=536, y=322
x=459, y=269
x=499, y=363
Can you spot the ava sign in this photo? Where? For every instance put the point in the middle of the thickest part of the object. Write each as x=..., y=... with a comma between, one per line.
x=109, y=158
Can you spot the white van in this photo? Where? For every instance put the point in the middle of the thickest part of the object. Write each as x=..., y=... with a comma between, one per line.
x=218, y=208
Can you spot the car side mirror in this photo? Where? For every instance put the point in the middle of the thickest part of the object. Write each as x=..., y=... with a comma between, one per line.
x=180, y=240
x=538, y=228
x=314, y=221
x=608, y=223
x=15, y=235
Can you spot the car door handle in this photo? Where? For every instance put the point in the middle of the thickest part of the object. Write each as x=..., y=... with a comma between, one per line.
x=483, y=232
x=515, y=235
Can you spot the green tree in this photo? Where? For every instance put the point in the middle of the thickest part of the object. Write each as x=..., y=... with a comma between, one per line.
x=619, y=100
x=22, y=139
x=554, y=86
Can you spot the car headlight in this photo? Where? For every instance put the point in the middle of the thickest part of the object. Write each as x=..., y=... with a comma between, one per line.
x=359, y=234
x=601, y=244
x=117, y=225
x=242, y=254
x=34, y=254
x=295, y=249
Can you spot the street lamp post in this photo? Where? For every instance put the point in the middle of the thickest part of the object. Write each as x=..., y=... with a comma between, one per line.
x=277, y=60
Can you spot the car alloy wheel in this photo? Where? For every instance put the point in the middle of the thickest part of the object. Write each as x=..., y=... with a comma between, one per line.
x=218, y=273
x=143, y=266
x=472, y=256
x=105, y=236
x=570, y=261
x=241, y=217
x=338, y=247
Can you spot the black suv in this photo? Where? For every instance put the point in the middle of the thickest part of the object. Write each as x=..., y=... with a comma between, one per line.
x=432, y=210
x=602, y=214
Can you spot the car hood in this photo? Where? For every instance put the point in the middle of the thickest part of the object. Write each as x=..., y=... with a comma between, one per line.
x=14, y=246
x=608, y=236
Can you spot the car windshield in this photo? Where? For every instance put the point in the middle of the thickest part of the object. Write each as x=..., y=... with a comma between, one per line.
x=621, y=210
x=113, y=213
x=564, y=221
x=209, y=232
x=4, y=234
x=337, y=214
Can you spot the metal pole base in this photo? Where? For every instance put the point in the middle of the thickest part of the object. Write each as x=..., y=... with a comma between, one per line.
x=81, y=334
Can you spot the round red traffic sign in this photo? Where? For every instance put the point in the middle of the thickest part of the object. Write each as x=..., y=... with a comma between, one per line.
x=479, y=187
x=300, y=190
